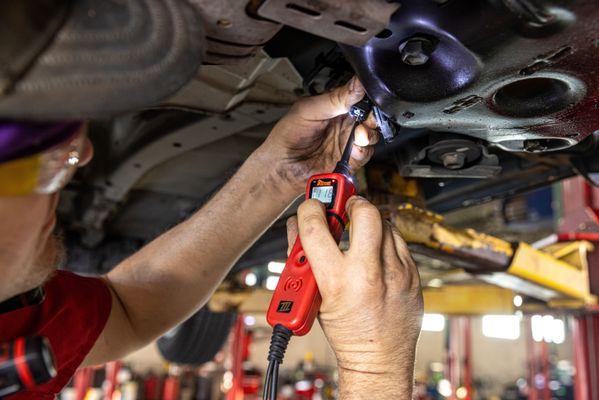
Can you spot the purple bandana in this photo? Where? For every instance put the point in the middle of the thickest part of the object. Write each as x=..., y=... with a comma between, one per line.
x=20, y=139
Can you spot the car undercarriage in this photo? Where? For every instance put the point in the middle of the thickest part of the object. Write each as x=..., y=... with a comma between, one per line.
x=478, y=102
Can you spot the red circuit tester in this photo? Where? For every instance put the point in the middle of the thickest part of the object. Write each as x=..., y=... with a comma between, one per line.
x=296, y=300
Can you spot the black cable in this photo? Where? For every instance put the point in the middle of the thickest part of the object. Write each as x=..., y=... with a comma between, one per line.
x=267, y=382
x=278, y=345
x=273, y=383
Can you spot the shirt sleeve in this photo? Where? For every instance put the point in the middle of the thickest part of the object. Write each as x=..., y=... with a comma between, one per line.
x=72, y=317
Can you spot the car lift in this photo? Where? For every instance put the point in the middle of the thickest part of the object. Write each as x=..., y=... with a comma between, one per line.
x=565, y=275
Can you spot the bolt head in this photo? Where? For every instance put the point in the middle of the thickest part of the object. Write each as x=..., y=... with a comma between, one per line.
x=453, y=160
x=415, y=51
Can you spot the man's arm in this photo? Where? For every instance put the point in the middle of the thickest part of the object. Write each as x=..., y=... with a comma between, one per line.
x=174, y=275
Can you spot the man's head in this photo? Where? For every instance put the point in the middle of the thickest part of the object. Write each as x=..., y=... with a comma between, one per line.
x=36, y=160
x=59, y=60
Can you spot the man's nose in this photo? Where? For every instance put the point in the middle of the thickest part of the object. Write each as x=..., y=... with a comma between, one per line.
x=87, y=153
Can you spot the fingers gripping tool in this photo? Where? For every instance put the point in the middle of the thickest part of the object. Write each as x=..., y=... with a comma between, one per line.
x=296, y=300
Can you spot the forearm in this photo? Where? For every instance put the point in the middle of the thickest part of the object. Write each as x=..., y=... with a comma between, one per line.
x=176, y=273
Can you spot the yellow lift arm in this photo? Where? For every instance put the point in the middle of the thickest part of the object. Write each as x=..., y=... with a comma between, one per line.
x=556, y=274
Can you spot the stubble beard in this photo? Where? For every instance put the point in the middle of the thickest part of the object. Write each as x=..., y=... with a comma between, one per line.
x=52, y=256
x=49, y=259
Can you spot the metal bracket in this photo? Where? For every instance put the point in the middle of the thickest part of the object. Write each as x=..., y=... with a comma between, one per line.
x=233, y=35
x=351, y=22
x=487, y=167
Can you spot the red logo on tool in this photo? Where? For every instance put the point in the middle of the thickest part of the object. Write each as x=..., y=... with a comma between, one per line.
x=293, y=284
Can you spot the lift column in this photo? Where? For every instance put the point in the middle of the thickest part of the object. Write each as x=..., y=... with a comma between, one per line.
x=585, y=335
x=580, y=213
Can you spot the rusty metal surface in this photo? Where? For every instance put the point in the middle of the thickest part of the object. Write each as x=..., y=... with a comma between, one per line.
x=494, y=76
x=388, y=189
x=232, y=34
x=471, y=249
x=352, y=22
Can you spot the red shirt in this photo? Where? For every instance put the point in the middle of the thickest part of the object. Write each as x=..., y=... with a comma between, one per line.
x=72, y=316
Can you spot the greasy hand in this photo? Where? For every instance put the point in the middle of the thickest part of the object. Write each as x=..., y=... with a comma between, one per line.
x=311, y=137
x=371, y=299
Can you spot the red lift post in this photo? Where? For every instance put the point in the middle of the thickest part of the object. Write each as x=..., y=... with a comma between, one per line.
x=467, y=359
x=585, y=332
x=238, y=352
x=82, y=381
x=110, y=383
x=459, y=357
x=580, y=208
x=533, y=393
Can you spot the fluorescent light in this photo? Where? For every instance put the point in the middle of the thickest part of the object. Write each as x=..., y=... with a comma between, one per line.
x=518, y=301
x=501, y=326
x=271, y=282
x=433, y=322
x=548, y=329
x=251, y=279
x=536, y=322
x=276, y=267
x=559, y=331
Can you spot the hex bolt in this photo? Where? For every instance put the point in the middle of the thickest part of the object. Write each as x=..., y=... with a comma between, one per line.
x=416, y=50
x=453, y=160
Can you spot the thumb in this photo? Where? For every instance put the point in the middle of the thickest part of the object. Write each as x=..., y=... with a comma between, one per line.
x=292, y=232
x=319, y=245
x=332, y=104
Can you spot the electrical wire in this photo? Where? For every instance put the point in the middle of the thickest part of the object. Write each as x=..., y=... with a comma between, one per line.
x=278, y=345
x=267, y=382
x=274, y=383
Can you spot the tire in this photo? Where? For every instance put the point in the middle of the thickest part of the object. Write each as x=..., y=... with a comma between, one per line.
x=197, y=340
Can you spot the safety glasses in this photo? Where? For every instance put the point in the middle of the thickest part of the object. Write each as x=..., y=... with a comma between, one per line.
x=45, y=172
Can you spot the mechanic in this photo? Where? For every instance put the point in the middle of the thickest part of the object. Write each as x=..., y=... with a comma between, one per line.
x=371, y=295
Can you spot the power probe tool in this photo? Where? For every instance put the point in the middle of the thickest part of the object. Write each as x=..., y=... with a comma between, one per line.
x=296, y=300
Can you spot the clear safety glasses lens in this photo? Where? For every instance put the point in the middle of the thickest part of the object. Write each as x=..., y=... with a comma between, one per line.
x=45, y=172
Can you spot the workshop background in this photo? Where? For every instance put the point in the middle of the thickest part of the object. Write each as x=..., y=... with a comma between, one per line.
x=478, y=341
